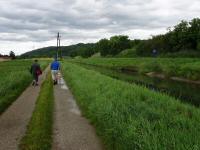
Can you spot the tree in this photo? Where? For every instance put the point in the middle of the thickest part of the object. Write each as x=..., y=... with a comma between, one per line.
x=12, y=55
x=184, y=38
x=198, y=46
x=194, y=33
x=103, y=46
x=119, y=43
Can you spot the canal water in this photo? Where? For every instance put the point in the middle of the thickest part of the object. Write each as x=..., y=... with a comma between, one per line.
x=186, y=92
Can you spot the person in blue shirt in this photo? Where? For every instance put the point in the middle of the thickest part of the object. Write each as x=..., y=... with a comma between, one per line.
x=55, y=68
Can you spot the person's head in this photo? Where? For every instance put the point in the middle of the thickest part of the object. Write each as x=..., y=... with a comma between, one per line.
x=55, y=59
x=35, y=60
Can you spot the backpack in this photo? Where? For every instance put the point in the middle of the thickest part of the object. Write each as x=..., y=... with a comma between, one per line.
x=39, y=72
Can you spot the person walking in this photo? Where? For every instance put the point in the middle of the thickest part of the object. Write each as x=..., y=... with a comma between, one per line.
x=55, y=68
x=35, y=71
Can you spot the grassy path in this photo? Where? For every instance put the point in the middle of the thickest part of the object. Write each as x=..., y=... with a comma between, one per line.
x=14, y=120
x=39, y=132
x=71, y=130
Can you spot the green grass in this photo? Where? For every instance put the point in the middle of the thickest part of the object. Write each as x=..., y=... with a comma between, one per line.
x=182, y=67
x=14, y=78
x=129, y=117
x=128, y=53
x=39, y=131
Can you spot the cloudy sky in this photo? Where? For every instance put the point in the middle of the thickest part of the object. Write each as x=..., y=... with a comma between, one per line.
x=27, y=25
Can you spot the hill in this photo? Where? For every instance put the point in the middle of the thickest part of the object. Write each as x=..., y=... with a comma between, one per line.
x=71, y=50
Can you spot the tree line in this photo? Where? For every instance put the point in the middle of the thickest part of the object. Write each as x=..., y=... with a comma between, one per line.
x=11, y=55
x=106, y=47
x=184, y=38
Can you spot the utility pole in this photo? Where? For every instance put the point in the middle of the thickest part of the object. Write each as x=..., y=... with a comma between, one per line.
x=58, y=46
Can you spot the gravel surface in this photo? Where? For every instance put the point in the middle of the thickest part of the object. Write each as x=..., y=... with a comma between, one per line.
x=71, y=130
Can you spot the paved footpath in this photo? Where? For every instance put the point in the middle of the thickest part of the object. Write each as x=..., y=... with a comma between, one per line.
x=71, y=130
x=14, y=120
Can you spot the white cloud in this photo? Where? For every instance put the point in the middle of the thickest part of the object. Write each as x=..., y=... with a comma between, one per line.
x=25, y=24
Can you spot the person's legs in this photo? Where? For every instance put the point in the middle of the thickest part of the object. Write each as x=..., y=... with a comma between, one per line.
x=36, y=80
x=33, y=82
x=54, y=76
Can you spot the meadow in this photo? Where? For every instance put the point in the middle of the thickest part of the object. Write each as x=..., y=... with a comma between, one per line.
x=14, y=78
x=188, y=68
x=128, y=116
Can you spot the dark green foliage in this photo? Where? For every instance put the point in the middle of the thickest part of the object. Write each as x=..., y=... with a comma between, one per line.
x=114, y=46
x=42, y=52
x=118, y=44
x=39, y=132
x=103, y=46
x=84, y=50
x=184, y=37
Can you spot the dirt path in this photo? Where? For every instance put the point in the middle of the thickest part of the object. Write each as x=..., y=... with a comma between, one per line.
x=71, y=130
x=1, y=59
x=14, y=120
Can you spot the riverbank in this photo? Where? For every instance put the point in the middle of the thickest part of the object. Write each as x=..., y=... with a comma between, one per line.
x=179, y=69
x=184, y=91
x=129, y=116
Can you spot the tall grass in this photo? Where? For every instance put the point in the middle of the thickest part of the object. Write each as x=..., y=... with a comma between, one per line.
x=39, y=132
x=14, y=78
x=183, y=67
x=131, y=117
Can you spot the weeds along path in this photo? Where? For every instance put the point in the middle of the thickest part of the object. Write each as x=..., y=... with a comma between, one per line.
x=71, y=130
x=14, y=120
x=39, y=130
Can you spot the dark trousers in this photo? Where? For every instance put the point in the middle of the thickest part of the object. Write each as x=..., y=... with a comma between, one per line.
x=35, y=77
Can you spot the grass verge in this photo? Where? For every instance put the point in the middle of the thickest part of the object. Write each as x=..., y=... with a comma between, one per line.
x=181, y=67
x=39, y=131
x=15, y=78
x=130, y=117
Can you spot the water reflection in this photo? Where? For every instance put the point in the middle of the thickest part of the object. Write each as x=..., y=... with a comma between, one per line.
x=186, y=92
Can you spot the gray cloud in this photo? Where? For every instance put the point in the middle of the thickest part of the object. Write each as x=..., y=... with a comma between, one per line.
x=25, y=21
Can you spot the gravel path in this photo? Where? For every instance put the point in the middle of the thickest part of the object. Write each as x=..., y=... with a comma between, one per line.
x=14, y=120
x=71, y=130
